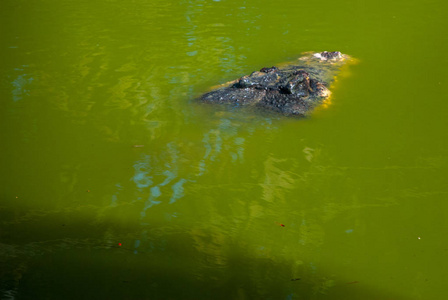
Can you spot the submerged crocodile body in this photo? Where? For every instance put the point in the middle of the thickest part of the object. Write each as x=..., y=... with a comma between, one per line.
x=294, y=88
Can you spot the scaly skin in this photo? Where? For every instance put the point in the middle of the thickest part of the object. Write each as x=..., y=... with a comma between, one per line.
x=292, y=89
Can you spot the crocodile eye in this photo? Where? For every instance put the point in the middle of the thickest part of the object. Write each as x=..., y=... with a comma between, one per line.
x=244, y=82
x=269, y=70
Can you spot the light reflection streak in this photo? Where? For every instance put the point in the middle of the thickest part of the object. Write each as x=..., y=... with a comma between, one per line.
x=20, y=85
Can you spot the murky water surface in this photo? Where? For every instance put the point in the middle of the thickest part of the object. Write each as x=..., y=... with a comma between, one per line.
x=117, y=184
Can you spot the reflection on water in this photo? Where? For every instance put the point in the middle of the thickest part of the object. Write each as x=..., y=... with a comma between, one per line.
x=143, y=179
x=20, y=86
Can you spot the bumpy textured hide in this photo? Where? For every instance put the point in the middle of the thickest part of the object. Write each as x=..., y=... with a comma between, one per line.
x=294, y=88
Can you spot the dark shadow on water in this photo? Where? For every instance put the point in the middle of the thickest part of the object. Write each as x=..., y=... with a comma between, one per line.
x=175, y=270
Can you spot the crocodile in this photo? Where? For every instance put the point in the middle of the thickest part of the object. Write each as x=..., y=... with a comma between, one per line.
x=293, y=89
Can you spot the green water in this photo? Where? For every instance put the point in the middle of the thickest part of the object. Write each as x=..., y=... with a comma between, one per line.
x=102, y=144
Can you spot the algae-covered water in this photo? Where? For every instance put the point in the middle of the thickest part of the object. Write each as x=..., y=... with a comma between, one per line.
x=117, y=184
